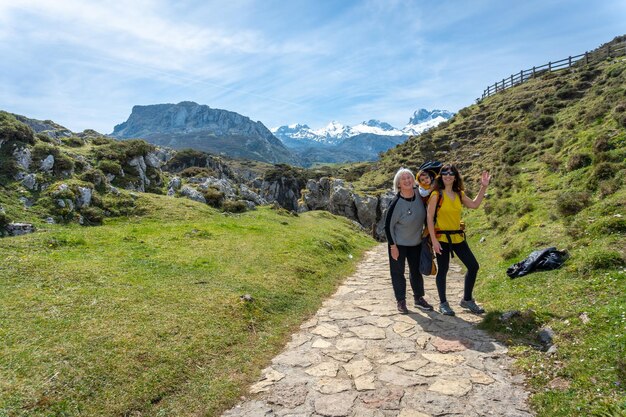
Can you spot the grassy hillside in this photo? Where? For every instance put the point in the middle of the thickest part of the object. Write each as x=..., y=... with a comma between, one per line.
x=143, y=315
x=556, y=146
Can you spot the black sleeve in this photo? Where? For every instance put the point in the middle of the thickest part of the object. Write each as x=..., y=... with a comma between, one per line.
x=390, y=209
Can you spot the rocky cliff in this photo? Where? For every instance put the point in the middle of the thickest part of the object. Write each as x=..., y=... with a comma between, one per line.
x=190, y=125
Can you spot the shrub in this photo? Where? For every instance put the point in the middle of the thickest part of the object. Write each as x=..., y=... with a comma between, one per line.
x=12, y=129
x=525, y=207
x=541, y=123
x=4, y=220
x=552, y=163
x=510, y=252
x=8, y=166
x=234, y=206
x=213, y=197
x=568, y=92
x=137, y=147
x=602, y=145
x=609, y=187
x=119, y=205
x=196, y=172
x=73, y=141
x=96, y=177
x=63, y=163
x=41, y=150
x=569, y=203
x=92, y=216
x=594, y=259
x=43, y=137
x=578, y=160
x=605, y=171
x=610, y=225
x=101, y=140
x=110, y=167
x=187, y=158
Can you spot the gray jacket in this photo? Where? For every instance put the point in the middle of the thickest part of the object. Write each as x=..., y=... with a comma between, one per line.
x=405, y=221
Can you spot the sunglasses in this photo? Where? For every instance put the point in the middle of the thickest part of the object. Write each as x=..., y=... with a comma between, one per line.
x=447, y=173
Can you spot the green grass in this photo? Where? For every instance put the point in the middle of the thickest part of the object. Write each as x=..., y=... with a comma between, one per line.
x=590, y=357
x=143, y=315
x=556, y=147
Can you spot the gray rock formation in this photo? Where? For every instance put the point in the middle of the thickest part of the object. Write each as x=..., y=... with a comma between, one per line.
x=192, y=194
x=17, y=229
x=338, y=197
x=190, y=125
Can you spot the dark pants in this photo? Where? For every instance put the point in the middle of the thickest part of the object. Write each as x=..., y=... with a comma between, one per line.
x=466, y=256
x=410, y=255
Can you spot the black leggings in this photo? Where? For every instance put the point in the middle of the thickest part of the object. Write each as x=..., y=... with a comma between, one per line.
x=410, y=254
x=466, y=256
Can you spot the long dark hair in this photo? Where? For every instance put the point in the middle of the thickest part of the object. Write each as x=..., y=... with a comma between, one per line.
x=457, y=185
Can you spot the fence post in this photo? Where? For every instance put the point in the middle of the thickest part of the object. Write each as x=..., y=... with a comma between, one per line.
x=533, y=71
x=569, y=62
x=549, y=66
x=521, y=76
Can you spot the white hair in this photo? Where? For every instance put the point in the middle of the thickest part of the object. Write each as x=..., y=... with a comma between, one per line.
x=396, y=179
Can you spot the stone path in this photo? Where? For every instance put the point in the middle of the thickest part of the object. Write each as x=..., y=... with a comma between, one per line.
x=358, y=357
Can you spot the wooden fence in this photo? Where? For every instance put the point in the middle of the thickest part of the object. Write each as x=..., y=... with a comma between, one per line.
x=608, y=51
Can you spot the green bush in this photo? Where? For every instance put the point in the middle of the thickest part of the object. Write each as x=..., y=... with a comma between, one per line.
x=8, y=166
x=605, y=171
x=63, y=163
x=119, y=205
x=92, y=216
x=541, y=123
x=608, y=225
x=101, y=140
x=578, y=160
x=4, y=220
x=187, y=158
x=42, y=150
x=12, y=129
x=213, y=197
x=108, y=166
x=569, y=203
x=196, y=172
x=594, y=259
x=234, y=206
x=568, y=92
x=73, y=141
x=602, y=144
x=96, y=177
x=552, y=163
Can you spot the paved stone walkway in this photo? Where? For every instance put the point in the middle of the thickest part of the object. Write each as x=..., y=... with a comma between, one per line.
x=358, y=357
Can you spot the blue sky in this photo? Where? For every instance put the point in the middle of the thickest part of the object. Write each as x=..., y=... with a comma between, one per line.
x=84, y=64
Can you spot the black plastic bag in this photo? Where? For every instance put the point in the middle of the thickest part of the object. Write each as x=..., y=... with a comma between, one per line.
x=539, y=260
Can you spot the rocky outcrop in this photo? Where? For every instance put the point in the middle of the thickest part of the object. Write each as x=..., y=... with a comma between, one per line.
x=17, y=229
x=339, y=197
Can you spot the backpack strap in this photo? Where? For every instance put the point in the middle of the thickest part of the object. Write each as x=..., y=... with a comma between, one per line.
x=446, y=232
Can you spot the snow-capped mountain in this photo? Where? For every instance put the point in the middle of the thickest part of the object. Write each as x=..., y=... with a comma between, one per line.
x=335, y=133
x=423, y=120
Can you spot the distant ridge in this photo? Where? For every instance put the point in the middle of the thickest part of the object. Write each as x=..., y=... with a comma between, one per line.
x=191, y=125
x=336, y=143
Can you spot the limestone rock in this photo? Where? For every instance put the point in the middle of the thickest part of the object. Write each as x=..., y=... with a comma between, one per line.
x=335, y=405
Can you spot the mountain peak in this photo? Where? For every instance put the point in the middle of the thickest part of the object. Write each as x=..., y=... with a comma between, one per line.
x=423, y=115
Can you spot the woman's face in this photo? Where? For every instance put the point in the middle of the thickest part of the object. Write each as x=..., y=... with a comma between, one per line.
x=424, y=178
x=406, y=181
x=447, y=175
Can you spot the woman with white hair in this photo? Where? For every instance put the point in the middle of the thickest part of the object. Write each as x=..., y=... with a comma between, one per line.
x=404, y=223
